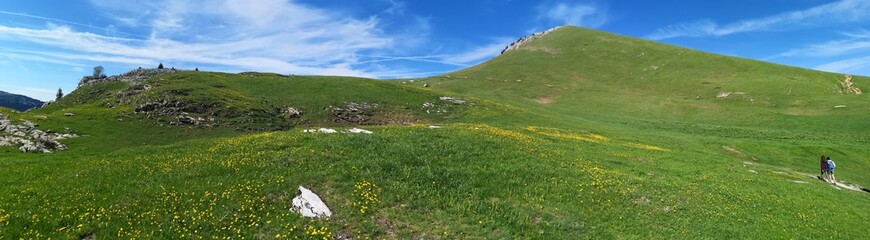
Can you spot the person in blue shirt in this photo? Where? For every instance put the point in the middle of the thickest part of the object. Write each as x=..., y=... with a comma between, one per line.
x=831, y=167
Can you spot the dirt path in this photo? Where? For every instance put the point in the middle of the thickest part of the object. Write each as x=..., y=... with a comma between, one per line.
x=836, y=184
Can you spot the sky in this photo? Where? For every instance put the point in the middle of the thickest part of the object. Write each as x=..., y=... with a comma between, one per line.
x=46, y=45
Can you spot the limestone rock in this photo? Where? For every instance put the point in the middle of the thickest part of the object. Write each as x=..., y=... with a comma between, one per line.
x=28, y=138
x=309, y=204
x=293, y=112
x=353, y=113
x=453, y=100
x=359, y=130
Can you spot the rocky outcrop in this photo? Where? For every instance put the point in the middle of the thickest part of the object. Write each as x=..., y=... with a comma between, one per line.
x=179, y=111
x=849, y=86
x=527, y=39
x=28, y=138
x=131, y=76
x=358, y=113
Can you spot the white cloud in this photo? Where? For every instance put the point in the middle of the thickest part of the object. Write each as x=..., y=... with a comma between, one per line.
x=829, y=49
x=272, y=35
x=476, y=55
x=465, y=58
x=848, y=65
x=842, y=11
x=577, y=14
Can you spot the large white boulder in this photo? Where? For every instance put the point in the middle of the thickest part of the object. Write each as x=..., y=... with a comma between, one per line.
x=309, y=204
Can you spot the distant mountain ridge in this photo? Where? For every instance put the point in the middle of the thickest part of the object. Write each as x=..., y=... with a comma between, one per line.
x=18, y=102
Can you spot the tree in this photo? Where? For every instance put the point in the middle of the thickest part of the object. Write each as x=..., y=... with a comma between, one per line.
x=59, y=94
x=196, y=70
x=98, y=72
x=160, y=66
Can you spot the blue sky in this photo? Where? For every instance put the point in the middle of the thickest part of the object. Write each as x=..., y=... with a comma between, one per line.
x=49, y=44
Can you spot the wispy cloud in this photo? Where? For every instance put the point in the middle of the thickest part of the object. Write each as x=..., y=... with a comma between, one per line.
x=476, y=55
x=842, y=55
x=578, y=14
x=465, y=58
x=847, y=65
x=273, y=35
x=854, y=43
x=836, y=12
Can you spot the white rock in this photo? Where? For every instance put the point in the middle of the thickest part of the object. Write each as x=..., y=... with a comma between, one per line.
x=359, y=130
x=327, y=130
x=453, y=100
x=309, y=204
x=434, y=127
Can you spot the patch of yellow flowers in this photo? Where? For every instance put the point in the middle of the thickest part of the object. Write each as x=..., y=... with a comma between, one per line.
x=366, y=196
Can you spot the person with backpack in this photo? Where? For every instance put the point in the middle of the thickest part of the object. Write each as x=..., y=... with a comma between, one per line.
x=831, y=167
x=823, y=168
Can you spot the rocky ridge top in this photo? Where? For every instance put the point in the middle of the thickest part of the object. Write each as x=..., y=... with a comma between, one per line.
x=527, y=39
x=131, y=76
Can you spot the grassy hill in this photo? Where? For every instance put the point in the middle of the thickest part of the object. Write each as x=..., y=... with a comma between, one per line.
x=18, y=102
x=591, y=142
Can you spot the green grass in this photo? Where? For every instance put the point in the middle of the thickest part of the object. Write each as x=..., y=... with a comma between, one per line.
x=617, y=152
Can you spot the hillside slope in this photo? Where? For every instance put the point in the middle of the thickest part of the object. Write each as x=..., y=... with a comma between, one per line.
x=572, y=135
x=18, y=102
x=578, y=71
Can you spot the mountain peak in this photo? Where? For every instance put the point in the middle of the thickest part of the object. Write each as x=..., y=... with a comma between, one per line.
x=527, y=39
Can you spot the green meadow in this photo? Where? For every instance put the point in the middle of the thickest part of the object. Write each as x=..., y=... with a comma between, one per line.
x=577, y=135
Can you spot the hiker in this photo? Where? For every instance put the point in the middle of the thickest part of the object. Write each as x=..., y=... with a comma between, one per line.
x=824, y=168
x=831, y=167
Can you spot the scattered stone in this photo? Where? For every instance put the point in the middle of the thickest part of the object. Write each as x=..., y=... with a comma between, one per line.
x=641, y=200
x=359, y=130
x=432, y=108
x=28, y=125
x=185, y=119
x=728, y=94
x=453, y=100
x=434, y=127
x=753, y=171
x=309, y=204
x=293, y=112
x=425, y=85
x=839, y=106
x=667, y=209
x=69, y=114
x=326, y=130
x=353, y=113
x=28, y=138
